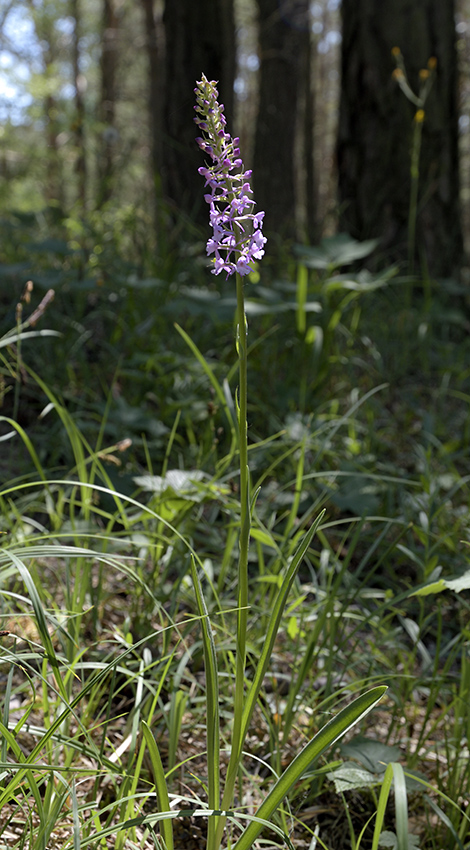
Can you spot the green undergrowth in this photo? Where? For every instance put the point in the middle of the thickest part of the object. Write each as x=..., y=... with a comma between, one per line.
x=119, y=470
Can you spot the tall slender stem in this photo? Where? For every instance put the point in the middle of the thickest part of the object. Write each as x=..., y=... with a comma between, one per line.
x=245, y=523
x=413, y=209
x=244, y=481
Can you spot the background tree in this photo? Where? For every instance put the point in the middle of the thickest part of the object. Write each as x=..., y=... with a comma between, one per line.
x=200, y=37
x=80, y=87
x=44, y=16
x=107, y=105
x=284, y=76
x=376, y=125
x=154, y=42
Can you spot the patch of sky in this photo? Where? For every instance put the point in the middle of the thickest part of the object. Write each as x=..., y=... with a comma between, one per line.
x=316, y=9
x=18, y=30
x=17, y=64
x=332, y=39
x=464, y=123
x=239, y=88
x=249, y=61
x=65, y=25
x=67, y=91
x=13, y=103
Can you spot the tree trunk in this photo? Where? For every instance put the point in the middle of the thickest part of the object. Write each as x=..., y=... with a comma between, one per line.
x=200, y=38
x=79, y=122
x=284, y=44
x=154, y=40
x=44, y=22
x=107, y=107
x=377, y=130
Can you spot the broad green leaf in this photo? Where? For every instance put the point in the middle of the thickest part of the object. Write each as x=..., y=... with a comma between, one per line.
x=456, y=584
x=435, y=587
x=349, y=776
x=460, y=583
x=335, y=251
x=373, y=755
x=263, y=537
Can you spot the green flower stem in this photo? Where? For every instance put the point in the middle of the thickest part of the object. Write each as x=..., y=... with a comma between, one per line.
x=245, y=518
x=245, y=524
x=413, y=210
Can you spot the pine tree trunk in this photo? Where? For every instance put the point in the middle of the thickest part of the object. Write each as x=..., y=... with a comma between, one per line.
x=79, y=121
x=376, y=125
x=46, y=33
x=200, y=38
x=154, y=40
x=284, y=43
x=107, y=107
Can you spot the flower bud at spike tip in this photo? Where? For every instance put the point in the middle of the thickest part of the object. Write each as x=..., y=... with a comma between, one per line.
x=235, y=247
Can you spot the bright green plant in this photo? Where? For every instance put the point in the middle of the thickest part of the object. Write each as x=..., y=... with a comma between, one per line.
x=234, y=250
x=426, y=78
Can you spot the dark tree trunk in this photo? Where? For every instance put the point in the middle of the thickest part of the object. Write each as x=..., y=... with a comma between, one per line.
x=376, y=130
x=44, y=21
x=154, y=40
x=54, y=184
x=307, y=149
x=107, y=107
x=284, y=45
x=200, y=38
x=79, y=122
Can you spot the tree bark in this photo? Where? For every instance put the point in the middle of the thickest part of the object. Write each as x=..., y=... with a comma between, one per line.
x=107, y=106
x=154, y=40
x=284, y=44
x=44, y=20
x=376, y=124
x=200, y=38
x=79, y=122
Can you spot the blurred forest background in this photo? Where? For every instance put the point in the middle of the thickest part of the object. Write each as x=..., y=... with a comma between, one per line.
x=353, y=116
x=96, y=112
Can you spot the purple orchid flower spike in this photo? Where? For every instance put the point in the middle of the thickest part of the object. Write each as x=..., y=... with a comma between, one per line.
x=237, y=238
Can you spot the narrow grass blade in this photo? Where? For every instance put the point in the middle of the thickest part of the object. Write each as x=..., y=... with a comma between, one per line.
x=27, y=442
x=212, y=707
x=76, y=819
x=177, y=709
x=52, y=731
x=252, y=696
x=166, y=826
x=445, y=820
x=210, y=374
x=40, y=621
x=382, y=805
x=325, y=738
x=401, y=806
x=30, y=779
